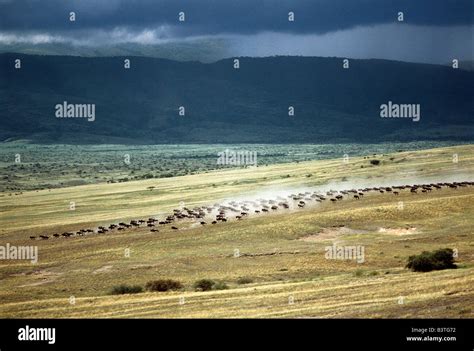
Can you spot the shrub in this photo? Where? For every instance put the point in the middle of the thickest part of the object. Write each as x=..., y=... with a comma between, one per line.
x=204, y=285
x=430, y=261
x=163, y=285
x=126, y=289
x=244, y=280
x=375, y=162
x=220, y=286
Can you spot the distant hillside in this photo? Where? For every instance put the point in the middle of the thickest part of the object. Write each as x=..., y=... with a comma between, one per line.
x=467, y=65
x=223, y=104
x=203, y=50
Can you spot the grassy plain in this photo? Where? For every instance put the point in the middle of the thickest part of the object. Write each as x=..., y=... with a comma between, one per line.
x=282, y=253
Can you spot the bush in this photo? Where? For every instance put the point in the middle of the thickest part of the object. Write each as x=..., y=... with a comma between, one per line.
x=375, y=162
x=244, y=280
x=430, y=261
x=220, y=286
x=126, y=289
x=163, y=285
x=204, y=285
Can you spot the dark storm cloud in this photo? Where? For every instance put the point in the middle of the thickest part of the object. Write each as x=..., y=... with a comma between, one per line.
x=204, y=17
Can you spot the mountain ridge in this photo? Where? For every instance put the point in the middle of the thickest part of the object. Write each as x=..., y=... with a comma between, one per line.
x=223, y=104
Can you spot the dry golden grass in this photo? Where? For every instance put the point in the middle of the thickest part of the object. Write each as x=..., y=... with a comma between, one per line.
x=102, y=203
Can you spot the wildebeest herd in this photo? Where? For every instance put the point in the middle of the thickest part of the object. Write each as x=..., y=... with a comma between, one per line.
x=238, y=210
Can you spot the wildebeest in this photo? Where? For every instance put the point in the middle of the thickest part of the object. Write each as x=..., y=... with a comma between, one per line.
x=241, y=208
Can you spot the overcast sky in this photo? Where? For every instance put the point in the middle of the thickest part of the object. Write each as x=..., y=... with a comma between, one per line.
x=432, y=31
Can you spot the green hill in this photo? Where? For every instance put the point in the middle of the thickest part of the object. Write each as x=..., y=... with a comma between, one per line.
x=223, y=104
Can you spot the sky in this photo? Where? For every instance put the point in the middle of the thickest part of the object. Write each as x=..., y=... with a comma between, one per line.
x=433, y=31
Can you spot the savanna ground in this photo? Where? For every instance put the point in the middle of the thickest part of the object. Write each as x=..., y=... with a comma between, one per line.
x=282, y=254
x=26, y=166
